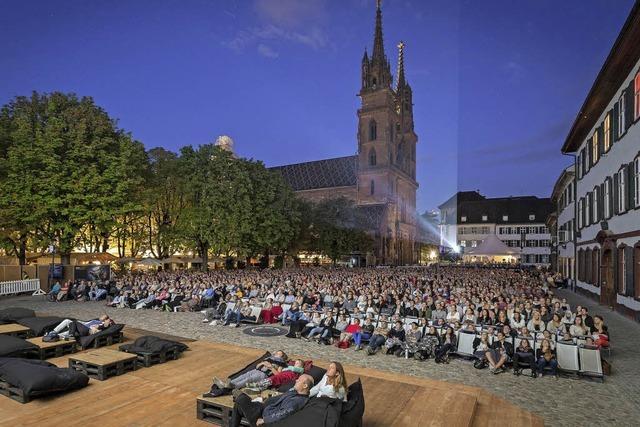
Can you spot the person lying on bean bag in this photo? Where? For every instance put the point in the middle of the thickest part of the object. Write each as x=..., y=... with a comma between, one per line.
x=288, y=374
x=75, y=328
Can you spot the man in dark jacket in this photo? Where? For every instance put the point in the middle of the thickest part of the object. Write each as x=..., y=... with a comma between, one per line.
x=274, y=409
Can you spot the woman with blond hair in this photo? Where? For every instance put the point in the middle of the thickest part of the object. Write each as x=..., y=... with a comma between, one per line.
x=333, y=384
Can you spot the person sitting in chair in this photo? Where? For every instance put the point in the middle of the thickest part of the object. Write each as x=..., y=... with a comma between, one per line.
x=273, y=409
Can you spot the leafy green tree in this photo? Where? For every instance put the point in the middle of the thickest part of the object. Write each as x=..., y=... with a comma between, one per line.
x=164, y=203
x=67, y=167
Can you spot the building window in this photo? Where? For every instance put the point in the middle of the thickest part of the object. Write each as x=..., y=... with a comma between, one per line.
x=463, y=243
x=372, y=157
x=622, y=199
x=637, y=97
x=607, y=133
x=373, y=187
x=463, y=219
x=532, y=217
x=606, y=199
x=621, y=115
x=505, y=217
x=474, y=243
x=484, y=217
x=373, y=130
x=595, y=153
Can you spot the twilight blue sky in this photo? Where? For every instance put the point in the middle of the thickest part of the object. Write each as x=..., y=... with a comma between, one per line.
x=496, y=83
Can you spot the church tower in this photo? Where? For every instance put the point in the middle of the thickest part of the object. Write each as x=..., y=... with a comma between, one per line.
x=387, y=150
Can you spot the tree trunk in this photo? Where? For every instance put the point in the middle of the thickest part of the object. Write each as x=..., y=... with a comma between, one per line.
x=205, y=261
x=22, y=251
x=65, y=258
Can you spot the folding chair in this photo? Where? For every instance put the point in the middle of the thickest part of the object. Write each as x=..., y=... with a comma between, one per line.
x=567, y=355
x=590, y=361
x=465, y=343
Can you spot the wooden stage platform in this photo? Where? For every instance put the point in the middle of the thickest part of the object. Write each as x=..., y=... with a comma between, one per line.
x=165, y=395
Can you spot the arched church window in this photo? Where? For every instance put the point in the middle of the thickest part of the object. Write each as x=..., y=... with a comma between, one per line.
x=373, y=130
x=372, y=157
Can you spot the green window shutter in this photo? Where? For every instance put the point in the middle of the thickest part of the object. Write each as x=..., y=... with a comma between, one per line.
x=614, y=122
x=629, y=105
x=616, y=185
x=631, y=186
x=628, y=259
x=601, y=202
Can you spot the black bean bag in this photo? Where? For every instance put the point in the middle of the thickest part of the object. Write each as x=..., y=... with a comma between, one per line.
x=38, y=377
x=40, y=325
x=15, y=347
x=353, y=408
x=149, y=344
x=318, y=412
x=13, y=314
x=87, y=341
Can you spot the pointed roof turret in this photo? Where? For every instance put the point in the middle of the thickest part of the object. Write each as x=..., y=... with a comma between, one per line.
x=401, y=80
x=378, y=43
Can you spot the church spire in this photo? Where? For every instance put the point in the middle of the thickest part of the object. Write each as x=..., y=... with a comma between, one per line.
x=401, y=80
x=376, y=70
x=378, y=44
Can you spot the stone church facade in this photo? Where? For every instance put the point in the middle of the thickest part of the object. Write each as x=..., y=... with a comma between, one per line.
x=381, y=178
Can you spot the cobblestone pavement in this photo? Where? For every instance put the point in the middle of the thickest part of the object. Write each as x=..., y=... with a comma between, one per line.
x=562, y=402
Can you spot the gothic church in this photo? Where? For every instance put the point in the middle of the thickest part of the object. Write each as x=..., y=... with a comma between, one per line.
x=381, y=178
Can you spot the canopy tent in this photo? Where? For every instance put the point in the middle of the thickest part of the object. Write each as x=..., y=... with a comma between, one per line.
x=492, y=249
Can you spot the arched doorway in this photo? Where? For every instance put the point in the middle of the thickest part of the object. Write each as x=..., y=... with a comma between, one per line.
x=608, y=285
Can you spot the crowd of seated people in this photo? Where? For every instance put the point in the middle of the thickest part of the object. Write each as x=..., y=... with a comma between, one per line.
x=410, y=312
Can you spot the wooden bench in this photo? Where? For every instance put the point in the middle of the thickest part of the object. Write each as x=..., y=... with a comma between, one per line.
x=12, y=392
x=59, y=348
x=15, y=330
x=103, y=363
x=218, y=410
x=150, y=359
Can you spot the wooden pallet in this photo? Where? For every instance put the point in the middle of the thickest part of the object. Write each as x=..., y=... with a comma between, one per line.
x=151, y=359
x=107, y=340
x=104, y=363
x=12, y=392
x=47, y=350
x=218, y=410
x=15, y=330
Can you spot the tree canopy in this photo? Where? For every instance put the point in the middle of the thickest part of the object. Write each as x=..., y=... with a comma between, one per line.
x=70, y=177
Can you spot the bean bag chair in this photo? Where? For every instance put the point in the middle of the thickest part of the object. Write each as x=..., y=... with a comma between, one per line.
x=38, y=377
x=353, y=408
x=13, y=314
x=40, y=325
x=15, y=347
x=318, y=412
x=87, y=341
x=149, y=344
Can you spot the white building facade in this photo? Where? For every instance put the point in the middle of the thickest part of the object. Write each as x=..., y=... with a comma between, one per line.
x=605, y=139
x=563, y=199
x=468, y=217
